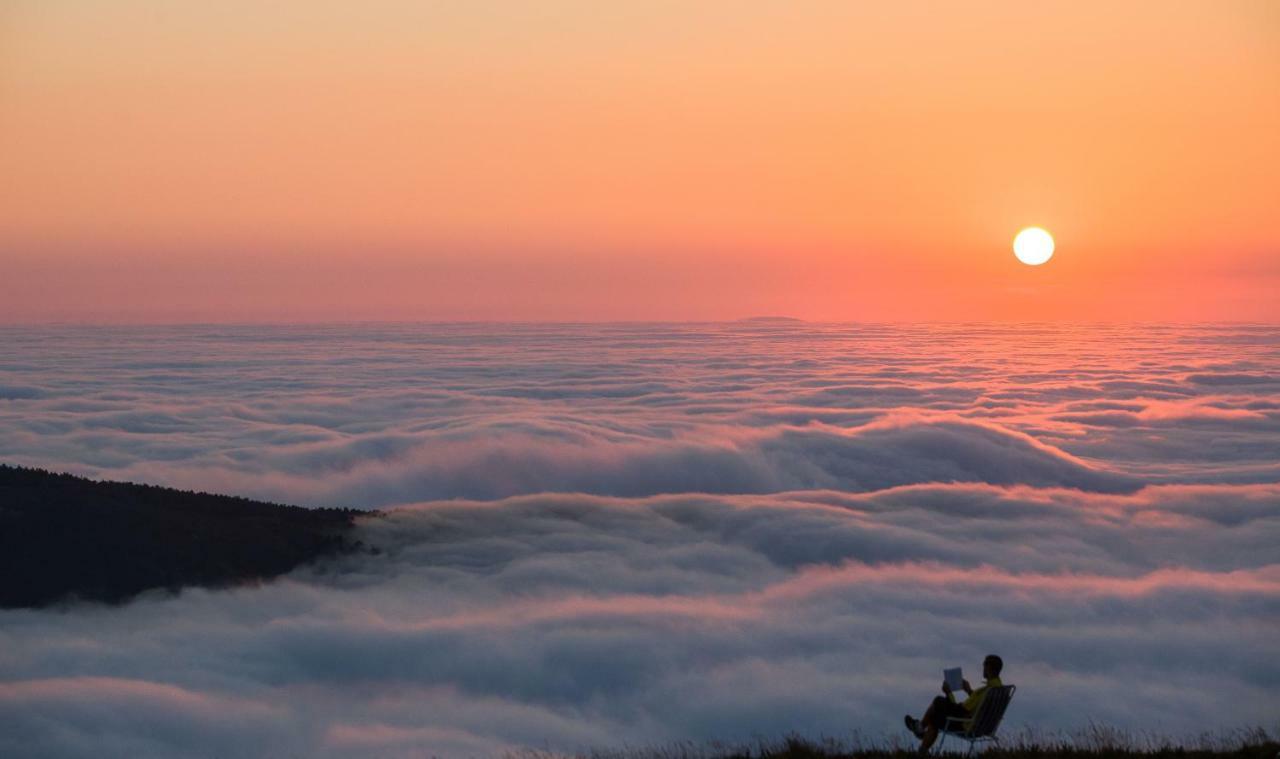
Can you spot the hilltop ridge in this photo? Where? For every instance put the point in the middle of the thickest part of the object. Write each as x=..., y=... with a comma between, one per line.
x=64, y=537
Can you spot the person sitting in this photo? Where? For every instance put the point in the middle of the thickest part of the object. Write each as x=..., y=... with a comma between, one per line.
x=935, y=718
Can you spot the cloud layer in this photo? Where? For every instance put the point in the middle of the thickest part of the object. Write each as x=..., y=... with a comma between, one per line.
x=635, y=534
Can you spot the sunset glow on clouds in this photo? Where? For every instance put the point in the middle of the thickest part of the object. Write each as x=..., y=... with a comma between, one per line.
x=637, y=160
x=625, y=535
x=678, y=351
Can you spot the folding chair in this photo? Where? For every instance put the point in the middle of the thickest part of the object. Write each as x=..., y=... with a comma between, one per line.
x=984, y=723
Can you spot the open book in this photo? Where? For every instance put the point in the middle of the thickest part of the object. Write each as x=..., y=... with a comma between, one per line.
x=954, y=678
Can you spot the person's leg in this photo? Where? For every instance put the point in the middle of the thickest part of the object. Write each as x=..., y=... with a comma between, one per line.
x=931, y=713
x=936, y=714
x=934, y=718
x=926, y=740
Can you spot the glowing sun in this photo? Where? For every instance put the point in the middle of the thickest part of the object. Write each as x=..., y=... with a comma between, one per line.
x=1033, y=246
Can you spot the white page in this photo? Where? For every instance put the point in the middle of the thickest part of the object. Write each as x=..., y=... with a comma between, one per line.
x=953, y=678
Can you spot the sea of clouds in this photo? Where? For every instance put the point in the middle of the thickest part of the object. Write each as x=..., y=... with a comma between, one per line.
x=620, y=535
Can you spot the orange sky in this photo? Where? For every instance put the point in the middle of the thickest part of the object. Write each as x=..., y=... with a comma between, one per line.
x=308, y=160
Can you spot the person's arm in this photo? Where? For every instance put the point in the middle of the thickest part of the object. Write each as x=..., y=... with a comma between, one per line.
x=947, y=690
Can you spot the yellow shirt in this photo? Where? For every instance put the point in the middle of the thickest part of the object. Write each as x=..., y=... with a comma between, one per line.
x=974, y=700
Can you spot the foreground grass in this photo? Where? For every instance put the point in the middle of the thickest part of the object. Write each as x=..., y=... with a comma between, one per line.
x=1094, y=742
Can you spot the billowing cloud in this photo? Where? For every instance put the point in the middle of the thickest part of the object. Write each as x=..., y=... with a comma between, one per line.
x=636, y=534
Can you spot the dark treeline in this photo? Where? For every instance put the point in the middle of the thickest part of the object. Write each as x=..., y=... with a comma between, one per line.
x=64, y=537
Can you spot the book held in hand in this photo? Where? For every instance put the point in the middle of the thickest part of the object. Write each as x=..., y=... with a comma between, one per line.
x=953, y=678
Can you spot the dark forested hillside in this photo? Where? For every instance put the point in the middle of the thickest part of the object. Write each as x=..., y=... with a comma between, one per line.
x=65, y=537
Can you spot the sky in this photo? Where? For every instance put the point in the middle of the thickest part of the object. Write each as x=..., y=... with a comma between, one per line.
x=620, y=535
x=325, y=161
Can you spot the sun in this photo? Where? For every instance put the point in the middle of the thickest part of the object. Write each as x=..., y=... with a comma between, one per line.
x=1033, y=246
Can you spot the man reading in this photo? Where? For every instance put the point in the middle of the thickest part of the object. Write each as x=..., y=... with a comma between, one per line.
x=926, y=728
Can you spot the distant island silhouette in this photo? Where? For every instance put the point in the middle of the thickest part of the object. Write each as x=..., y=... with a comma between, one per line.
x=65, y=538
x=771, y=320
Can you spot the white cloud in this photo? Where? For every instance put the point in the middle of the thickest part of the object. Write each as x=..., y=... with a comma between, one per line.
x=642, y=534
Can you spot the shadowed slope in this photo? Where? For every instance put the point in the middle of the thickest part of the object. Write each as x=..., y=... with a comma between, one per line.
x=63, y=536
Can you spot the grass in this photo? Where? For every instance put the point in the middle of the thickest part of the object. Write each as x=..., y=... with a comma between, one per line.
x=1093, y=742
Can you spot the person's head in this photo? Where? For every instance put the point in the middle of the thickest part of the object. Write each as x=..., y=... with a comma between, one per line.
x=991, y=666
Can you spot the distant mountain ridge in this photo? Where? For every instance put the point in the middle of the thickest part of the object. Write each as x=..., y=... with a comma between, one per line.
x=64, y=537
